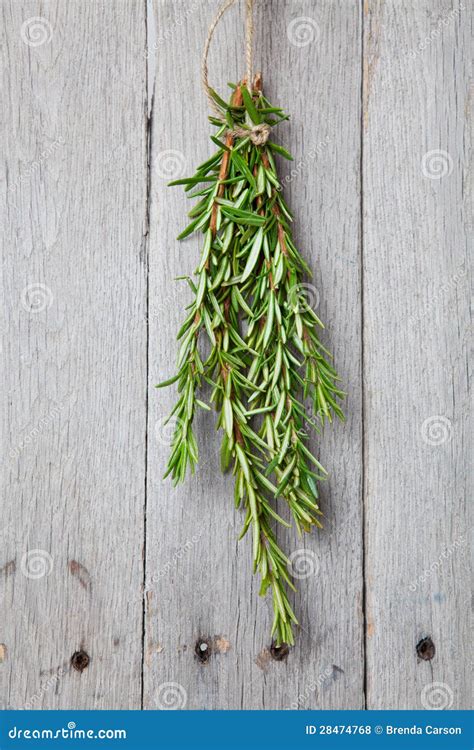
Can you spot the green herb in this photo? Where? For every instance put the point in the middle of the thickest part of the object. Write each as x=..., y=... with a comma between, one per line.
x=266, y=362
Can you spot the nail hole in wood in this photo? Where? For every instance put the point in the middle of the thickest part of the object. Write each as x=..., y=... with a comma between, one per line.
x=279, y=653
x=202, y=650
x=425, y=649
x=80, y=660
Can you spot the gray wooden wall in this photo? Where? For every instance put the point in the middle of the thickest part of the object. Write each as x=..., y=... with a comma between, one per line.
x=109, y=578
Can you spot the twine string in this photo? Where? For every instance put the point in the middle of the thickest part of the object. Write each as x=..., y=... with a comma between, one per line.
x=249, y=41
x=258, y=134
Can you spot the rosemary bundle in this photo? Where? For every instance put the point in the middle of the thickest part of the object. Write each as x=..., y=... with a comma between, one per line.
x=266, y=361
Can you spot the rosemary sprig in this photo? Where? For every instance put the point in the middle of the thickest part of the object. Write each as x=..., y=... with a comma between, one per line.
x=266, y=360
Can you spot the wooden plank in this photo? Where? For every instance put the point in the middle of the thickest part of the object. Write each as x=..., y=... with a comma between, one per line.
x=416, y=112
x=199, y=582
x=74, y=346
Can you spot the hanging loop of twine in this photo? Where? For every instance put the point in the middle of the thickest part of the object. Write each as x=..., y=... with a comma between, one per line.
x=258, y=134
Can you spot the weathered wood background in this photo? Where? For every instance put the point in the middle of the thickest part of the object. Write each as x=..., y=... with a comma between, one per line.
x=111, y=579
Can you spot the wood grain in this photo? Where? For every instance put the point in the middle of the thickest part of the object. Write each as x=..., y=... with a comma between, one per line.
x=74, y=353
x=416, y=110
x=120, y=591
x=199, y=580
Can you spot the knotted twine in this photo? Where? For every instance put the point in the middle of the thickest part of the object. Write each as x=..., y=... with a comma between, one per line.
x=258, y=134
